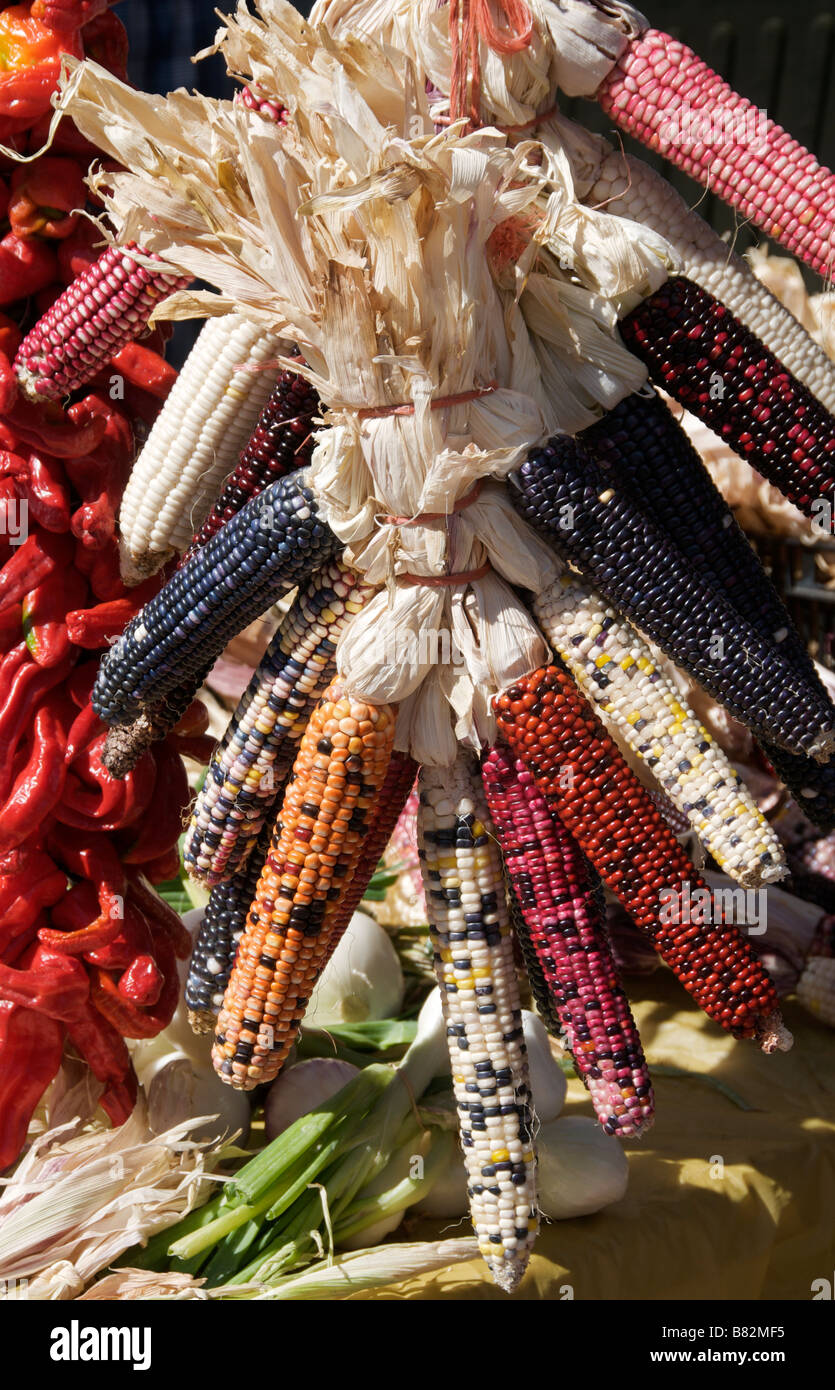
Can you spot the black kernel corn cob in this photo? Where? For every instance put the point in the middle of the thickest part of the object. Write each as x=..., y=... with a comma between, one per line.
x=217, y=939
x=702, y=355
x=274, y=542
x=540, y=992
x=593, y=521
x=281, y=442
x=649, y=453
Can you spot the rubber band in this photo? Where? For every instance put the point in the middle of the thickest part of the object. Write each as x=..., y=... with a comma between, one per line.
x=423, y=517
x=443, y=581
x=379, y=412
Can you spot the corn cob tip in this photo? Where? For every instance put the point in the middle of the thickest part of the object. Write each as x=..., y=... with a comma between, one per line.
x=507, y=1274
x=773, y=1035
x=823, y=747
x=201, y=1021
x=125, y=744
x=136, y=569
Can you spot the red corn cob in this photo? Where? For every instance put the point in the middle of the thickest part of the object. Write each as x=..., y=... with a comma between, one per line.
x=550, y=880
x=661, y=92
x=271, y=107
x=555, y=732
x=703, y=356
x=106, y=307
x=280, y=443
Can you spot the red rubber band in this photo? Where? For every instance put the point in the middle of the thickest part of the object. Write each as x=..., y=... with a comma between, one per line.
x=434, y=516
x=443, y=581
x=379, y=412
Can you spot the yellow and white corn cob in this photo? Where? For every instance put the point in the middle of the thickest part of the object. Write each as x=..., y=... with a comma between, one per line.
x=473, y=947
x=630, y=188
x=616, y=669
x=816, y=988
x=195, y=442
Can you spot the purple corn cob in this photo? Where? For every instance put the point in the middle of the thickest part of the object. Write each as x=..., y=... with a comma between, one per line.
x=556, y=896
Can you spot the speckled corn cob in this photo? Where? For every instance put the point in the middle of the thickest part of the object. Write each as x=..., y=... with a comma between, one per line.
x=541, y=993
x=816, y=988
x=281, y=442
x=274, y=542
x=551, y=882
x=340, y=767
x=473, y=947
x=103, y=309
x=552, y=728
x=649, y=453
x=703, y=356
x=254, y=758
x=219, y=933
x=615, y=668
x=592, y=520
x=659, y=89
x=627, y=187
x=195, y=442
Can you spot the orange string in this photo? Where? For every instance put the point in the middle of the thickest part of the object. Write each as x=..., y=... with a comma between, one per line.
x=379, y=412
x=474, y=22
x=422, y=517
x=442, y=581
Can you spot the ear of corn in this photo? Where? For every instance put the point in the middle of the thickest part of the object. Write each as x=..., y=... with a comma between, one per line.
x=551, y=727
x=628, y=187
x=255, y=756
x=592, y=519
x=103, y=309
x=702, y=355
x=273, y=543
x=281, y=442
x=473, y=947
x=325, y=814
x=566, y=927
x=196, y=441
x=219, y=933
x=541, y=993
x=255, y=99
x=661, y=92
x=650, y=454
x=616, y=670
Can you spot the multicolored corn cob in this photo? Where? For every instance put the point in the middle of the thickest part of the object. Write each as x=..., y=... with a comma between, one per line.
x=196, y=441
x=255, y=756
x=281, y=442
x=318, y=840
x=662, y=93
x=552, y=728
x=103, y=309
x=473, y=945
x=627, y=187
x=593, y=520
x=649, y=453
x=541, y=993
x=273, y=543
x=551, y=882
x=616, y=670
x=702, y=355
x=219, y=933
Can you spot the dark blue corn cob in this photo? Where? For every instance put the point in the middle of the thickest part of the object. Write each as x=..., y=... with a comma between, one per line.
x=274, y=542
x=696, y=349
x=220, y=931
x=593, y=521
x=649, y=453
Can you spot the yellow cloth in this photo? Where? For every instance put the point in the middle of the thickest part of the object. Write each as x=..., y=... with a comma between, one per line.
x=762, y=1227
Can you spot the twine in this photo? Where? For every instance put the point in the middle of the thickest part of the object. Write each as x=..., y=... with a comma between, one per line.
x=380, y=412
x=469, y=22
x=423, y=517
x=445, y=581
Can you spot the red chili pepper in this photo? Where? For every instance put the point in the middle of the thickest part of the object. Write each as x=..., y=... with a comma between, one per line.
x=10, y=337
x=28, y=684
x=31, y=1046
x=101, y=1046
x=9, y=384
x=93, y=800
x=142, y=982
x=94, y=858
x=44, y=625
x=38, y=787
x=94, y=627
x=24, y=894
x=130, y=1019
x=84, y=729
x=144, y=368
x=68, y=14
x=158, y=912
x=164, y=868
x=33, y=562
x=44, y=425
x=195, y=720
x=113, y=452
x=80, y=682
x=163, y=821
x=133, y=939
x=45, y=196
x=31, y=51
x=48, y=982
x=25, y=266
x=41, y=481
x=199, y=749
x=10, y=627
x=119, y=1099
x=80, y=250
x=102, y=569
x=94, y=523
x=106, y=42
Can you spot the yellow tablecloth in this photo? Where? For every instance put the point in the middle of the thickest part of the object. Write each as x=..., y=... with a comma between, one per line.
x=759, y=1225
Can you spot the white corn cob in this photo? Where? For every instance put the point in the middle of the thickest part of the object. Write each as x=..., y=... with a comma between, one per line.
x=630, y=188
x=616, y=669
x=816, y=988
x=196, y=441
x=473, y=945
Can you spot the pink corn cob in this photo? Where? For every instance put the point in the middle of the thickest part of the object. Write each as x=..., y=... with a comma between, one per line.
x=667, y=97
x=551, y=882
x=102, y=310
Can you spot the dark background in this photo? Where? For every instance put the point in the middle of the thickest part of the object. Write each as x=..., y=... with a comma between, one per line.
x=778, y=53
